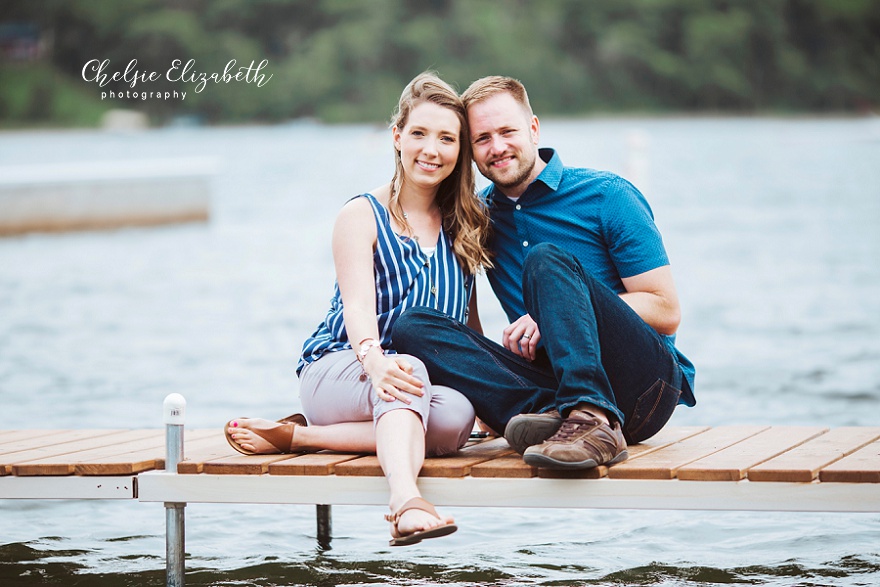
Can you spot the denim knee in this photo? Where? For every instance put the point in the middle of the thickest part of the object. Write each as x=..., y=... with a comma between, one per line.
x=410, y=327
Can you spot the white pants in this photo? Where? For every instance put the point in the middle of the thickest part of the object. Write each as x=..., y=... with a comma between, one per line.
x=333, y=390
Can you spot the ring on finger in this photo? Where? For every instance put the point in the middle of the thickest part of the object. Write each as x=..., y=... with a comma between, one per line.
x=527, y=336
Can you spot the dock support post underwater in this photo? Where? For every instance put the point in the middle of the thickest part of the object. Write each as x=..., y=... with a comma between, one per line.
x=325, y=526
x=174, y=409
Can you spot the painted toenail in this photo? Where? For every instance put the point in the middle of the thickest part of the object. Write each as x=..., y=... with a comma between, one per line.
x=235, y=424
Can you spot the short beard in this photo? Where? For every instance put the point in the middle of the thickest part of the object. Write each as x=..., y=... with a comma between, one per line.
x=520, y=177
x=512, y=183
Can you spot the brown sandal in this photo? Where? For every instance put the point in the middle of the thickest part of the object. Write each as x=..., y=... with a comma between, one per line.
x=417, y=503
x=280, y=437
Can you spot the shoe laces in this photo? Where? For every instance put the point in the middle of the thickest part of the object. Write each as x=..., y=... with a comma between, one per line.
x=572, y=427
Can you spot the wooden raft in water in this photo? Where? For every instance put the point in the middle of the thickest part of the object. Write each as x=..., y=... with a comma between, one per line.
x=780, y=468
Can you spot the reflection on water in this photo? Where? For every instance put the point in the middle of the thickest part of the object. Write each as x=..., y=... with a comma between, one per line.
x=771, y=228
x=93, y=544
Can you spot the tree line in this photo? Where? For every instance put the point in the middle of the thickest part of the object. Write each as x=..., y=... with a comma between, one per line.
x=347, y=60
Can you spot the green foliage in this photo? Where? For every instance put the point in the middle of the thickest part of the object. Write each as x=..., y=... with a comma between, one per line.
x=347, y=60
x=37, y=95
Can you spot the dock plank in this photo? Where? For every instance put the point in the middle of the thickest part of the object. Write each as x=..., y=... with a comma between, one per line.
x=862, y=466
x=126, y=464
x=665, y=462
x=733, y=462
x=803, y=463
x=507, y=466
x=197, y=453
x=457, y=465
x=137, y=460
x=33, y=439
x=11, y=440
x=666, y=437
x=107, y=445
x=243, y=464
x=592, y=473
x=363, y=466
x=321, y=463
x=20, y=441
x=216, y=457
x=78, y=441
x=461, y=463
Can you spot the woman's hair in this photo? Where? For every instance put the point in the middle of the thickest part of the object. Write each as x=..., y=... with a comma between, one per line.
x=492, y=85
x=464, y=217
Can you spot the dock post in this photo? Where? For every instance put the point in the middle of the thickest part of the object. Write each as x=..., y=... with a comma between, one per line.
x=325, y=526
x=174, y=409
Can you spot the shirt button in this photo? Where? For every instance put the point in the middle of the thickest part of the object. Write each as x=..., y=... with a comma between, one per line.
x=518, y=207
x=525, y=243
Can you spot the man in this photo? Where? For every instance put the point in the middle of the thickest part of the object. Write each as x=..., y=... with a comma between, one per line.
x=588, y=362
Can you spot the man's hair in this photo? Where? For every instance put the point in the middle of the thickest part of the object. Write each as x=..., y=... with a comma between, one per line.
x=492, y=85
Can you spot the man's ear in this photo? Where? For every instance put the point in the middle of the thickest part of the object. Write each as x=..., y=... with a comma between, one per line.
x=535, y=128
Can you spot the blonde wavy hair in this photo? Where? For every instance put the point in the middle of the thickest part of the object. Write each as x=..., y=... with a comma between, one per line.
x=464, y=217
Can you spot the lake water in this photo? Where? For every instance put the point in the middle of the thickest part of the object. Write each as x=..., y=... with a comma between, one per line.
x=772, y=228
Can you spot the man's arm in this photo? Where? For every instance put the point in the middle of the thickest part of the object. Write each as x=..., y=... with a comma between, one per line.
x=653, y=296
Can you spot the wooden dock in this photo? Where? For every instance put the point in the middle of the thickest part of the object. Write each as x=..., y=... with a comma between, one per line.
x=779, y=468
x=104, y=194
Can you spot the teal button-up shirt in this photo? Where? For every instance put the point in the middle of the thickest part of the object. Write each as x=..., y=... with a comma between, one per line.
x=599, y=217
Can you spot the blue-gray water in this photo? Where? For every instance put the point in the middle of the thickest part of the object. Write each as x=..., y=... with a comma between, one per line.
x=772, y=227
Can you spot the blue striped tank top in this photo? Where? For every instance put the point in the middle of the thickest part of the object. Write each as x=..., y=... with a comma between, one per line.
x=406, y=277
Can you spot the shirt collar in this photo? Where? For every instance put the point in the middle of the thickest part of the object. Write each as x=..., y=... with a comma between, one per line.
x=550, y=176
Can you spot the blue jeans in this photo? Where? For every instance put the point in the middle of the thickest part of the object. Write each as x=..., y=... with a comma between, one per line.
x=594, y=349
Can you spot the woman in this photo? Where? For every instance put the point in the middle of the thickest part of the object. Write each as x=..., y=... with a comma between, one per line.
x=417, y=241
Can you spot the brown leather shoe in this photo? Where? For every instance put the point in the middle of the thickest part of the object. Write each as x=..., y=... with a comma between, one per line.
x=582, y=442
x=527, y=430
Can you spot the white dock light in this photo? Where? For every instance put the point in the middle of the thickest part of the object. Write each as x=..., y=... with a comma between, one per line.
x=174, y=409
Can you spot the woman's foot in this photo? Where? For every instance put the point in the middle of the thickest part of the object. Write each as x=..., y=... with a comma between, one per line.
x=261, y=437
x=417, y=520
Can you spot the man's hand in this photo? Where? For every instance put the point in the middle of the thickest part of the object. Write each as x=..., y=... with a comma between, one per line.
x=521, y=337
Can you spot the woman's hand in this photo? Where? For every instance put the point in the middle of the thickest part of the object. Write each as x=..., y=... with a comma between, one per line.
x=392, y=377
x=521, y=337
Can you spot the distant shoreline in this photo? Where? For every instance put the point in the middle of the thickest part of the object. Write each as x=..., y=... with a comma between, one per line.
x=611, y=116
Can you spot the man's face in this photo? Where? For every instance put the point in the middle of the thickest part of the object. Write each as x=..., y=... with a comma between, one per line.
x=505, y=142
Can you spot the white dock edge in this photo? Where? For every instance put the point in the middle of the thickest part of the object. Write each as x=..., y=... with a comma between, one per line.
x=104, y=194
x=70, y=487
x=159, y=486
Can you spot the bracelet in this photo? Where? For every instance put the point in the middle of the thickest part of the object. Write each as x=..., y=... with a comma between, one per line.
x=364, y=347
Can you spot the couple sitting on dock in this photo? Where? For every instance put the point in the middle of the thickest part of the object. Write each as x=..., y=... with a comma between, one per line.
x=400, y=366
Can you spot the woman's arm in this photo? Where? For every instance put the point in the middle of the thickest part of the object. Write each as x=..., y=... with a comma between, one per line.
x=354, y=241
